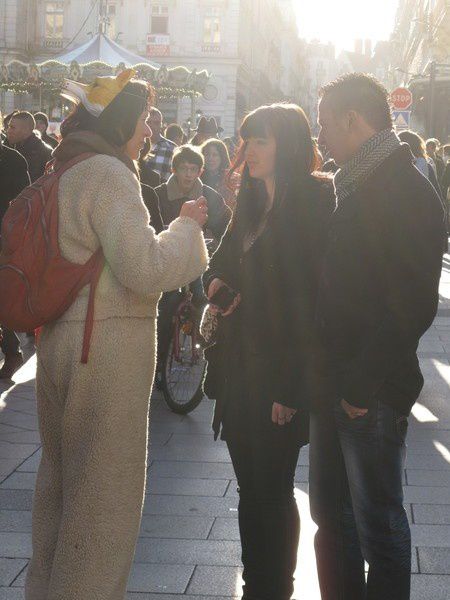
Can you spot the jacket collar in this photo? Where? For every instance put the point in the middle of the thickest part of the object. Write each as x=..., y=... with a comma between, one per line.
x=175, y=193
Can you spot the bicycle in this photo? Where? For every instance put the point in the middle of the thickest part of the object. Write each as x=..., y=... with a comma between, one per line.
x=183, y=365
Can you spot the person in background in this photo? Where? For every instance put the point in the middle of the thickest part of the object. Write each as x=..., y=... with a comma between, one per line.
x=175, y=134
x=6, y=120
x=433, y=147
x=206, y=129
x=259, y=370
x=217, y=166
x=42, y=126
x=378, y=294
x=232, y=144
x=14, y=178
x=21, y=136
x=185, y=184
x=149, y=180
x=162, y=149
x=446, y=174
x=421, y=160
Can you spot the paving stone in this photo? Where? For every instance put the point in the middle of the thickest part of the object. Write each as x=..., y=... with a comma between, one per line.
x=431, y=346
x=426, y=495
x=8, y=465
x=20, y=419
x=191, y=454
x=431, y=535
x=435, y=463
x=157, y=526
x=428, y=514
x=31, y=465
x=429, y=587
x=188, y=552
x=135, y=596
x=16, y=500
x=160, y=578
x=197, y=470
x=187, y=487
x=9, y=450
x=19, y=481
x=434, y=560
x=11, y=593
x=198, y=440
x=190, y=505
x=225, y=529
x=22, y=436
x=10, y=569
x=422, y=477
x=158, y=438
x=216, y=581
x=15, y=545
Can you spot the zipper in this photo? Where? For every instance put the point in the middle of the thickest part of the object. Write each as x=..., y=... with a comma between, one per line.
x=25, y=280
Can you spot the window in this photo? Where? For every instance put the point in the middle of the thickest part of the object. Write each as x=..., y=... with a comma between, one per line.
x=211, y=31
x=110, y=19
x=159, y=21
x=54, y=20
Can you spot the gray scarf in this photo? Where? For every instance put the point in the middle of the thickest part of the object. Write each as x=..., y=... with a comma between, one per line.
x=368, y=158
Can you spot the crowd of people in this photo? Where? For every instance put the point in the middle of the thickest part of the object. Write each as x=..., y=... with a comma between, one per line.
x=330, y=253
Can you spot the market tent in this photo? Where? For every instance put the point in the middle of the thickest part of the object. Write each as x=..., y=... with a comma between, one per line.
x=103, y=49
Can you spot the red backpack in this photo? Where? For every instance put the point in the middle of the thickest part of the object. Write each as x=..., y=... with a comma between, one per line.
x=37, y=285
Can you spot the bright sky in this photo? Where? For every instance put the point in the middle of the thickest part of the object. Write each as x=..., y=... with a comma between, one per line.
x=343, y=21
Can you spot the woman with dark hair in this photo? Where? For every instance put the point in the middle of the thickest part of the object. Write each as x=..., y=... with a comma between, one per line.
x=261, y=369
x=215, y=174
x=93, y=415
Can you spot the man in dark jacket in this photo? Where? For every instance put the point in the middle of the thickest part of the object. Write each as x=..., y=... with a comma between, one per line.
x=42, y=126
x=13, y=179
x=378, y=296
x=21, y=136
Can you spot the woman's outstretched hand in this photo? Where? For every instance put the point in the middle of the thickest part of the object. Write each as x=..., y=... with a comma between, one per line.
x=282, y=415
x=196, y=209
x=214, y=287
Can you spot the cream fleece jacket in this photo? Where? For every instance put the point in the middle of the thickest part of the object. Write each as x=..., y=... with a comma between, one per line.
x=100, y=204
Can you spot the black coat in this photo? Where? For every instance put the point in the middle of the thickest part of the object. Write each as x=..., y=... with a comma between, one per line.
x=13, y=176
x=379, y=288
x=264, y=348
x=36, y=153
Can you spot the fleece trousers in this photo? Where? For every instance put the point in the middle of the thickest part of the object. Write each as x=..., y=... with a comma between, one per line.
x=93, y=421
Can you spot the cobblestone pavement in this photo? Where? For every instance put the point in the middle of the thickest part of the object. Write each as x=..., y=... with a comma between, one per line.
x=188, y=546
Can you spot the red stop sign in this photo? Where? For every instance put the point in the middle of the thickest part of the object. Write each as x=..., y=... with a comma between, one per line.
x=401, y=99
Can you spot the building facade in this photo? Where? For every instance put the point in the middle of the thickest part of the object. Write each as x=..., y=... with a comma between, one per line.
x=421, y=60
x=250, y=47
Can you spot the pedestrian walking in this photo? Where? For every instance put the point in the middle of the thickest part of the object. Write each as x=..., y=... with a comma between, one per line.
x=21, y=136
x=378, y=295
x=433, y=147
x=14, y=178
x=215, y=174
x=259, y=370
x=94, y=416
x=162, y=149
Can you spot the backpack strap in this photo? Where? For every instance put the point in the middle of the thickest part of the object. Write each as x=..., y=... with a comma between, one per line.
x=61, y=168
x=98, y=262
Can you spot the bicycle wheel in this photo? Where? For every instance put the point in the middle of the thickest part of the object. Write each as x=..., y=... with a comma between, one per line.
x=182, y=380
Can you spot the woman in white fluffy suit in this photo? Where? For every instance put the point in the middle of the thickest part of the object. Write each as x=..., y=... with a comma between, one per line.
x=93, y=417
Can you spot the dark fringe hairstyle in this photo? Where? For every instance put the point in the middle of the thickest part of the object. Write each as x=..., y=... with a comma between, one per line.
x=297, y=159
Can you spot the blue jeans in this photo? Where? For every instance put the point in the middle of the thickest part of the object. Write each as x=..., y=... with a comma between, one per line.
x=356, y=501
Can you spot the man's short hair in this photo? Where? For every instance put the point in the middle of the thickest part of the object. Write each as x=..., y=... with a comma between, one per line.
x=187, y=154
x=173, y=130
x=40, y=116
x=446, y=149
x=25, y=116
x=362, y=93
